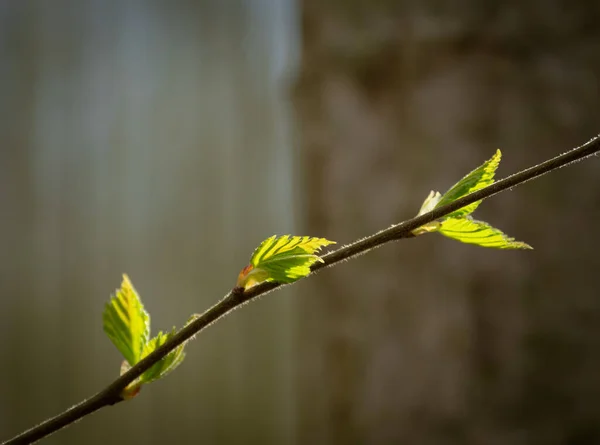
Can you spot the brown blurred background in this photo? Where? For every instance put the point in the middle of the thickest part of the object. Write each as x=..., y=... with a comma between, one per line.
x=167, y=139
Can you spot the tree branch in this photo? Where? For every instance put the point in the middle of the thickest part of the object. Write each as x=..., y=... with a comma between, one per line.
x=111, y=394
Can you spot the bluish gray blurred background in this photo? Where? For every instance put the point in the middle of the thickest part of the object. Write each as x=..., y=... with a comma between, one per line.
x=167, y=139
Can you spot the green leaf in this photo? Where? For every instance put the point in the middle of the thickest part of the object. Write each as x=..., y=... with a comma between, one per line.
x=165, y=365
x=283, y=259
x=479, y=178
x=126, y=323
x=470, y=231
x=430, y=202
x=428, y=205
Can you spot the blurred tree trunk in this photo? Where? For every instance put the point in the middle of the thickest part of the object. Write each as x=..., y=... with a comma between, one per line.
x=429, y=341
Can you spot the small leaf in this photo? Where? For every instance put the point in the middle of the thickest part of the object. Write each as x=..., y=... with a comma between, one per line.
x=428, y=205
x=165, y=365
x=430, y=202
x=126, y=323
x=479, y=178
x=283, y=259
x=470, y=231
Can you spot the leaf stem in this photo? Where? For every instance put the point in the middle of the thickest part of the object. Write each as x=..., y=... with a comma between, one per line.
x=111, y=394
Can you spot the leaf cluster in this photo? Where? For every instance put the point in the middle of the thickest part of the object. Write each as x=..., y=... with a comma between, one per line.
x=459, y=225
x=285, y=259
x=127, y=325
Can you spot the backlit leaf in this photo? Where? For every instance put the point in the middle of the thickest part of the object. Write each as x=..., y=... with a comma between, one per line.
x=430, y=202
x=470, y=231
x=126, y=323
x=479, y=178
x=165, y=365
x=282, y=259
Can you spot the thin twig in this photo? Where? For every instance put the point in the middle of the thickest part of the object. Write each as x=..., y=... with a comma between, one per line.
x=111, y=394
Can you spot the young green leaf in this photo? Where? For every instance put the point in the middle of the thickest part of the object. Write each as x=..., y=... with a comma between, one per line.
x=127, y=325
x=167, y=364
x=479, y=178
x=430, y=202
x=283, y=259
x=126, y=322
x=470, y=231
x=459, y=225
x=428, y=205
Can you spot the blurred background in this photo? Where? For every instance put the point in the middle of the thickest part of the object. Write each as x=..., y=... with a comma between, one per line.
x=167, y=139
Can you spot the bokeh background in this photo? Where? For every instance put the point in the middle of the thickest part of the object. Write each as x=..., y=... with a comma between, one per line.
x=167, y=139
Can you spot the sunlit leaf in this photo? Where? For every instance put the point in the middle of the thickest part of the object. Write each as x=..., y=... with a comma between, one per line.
x=428, y=205
x=283, y=259
x=470, y=231
x=479, y=178
x=165, y=365
x=126, y=323
x=430, y=202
